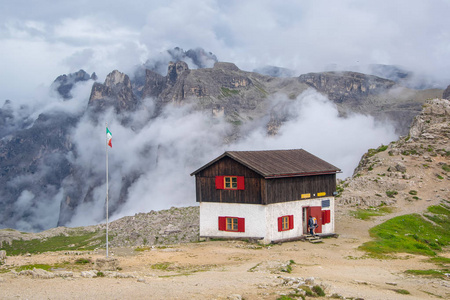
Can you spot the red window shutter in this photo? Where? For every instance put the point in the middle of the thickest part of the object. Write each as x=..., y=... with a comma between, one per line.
x=280, y=224
x=291, y=222
x=240, y=183
x=219, y=183
x=326, y=216
x=241, y=225
x=222, y=223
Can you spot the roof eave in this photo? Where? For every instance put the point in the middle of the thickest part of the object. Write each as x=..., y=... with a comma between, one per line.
x=271, y=176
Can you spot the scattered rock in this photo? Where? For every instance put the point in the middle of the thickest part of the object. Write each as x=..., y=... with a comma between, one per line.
x=38, y=273
x=63, y=274
x=2, y=256
x=107, y=264
x=89, y=274
x=400, y=167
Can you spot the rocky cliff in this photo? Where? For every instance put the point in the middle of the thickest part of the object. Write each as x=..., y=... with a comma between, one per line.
x=115, y=92
x=446, y=94
x=414, y=168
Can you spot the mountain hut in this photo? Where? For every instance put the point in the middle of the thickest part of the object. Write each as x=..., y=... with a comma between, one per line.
x=265, y=195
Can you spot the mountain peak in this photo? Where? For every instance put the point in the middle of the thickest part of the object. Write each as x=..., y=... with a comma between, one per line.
x=64, y=83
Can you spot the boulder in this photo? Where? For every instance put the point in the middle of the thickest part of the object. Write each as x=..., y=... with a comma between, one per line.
x=2, y=256
x=107, y=264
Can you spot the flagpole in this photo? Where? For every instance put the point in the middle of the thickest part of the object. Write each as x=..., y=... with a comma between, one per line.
x=106, y=146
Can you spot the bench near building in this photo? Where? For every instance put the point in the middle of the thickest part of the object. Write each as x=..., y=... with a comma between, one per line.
x=265, y=195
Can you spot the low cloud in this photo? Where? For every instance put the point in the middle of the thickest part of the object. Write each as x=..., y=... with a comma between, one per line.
x=167, y=149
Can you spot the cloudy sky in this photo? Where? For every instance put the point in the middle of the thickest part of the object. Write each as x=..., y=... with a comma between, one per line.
x=40, y=40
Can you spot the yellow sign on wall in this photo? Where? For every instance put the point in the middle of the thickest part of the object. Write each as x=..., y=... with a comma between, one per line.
x=321, y=194
x=306, y=196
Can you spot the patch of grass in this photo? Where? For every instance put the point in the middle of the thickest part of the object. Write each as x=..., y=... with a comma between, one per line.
x=291, y=296
x=83, y=261
x=372, y=152
x=409, y=152
x=288, y=268
x=226, y=92
x=161, y=266
x=409, y=234
x=35, y=266
x=439, y=209
x=402, y=291
x=307, y=290
x=367, y=213
x=446, y=168
x=413, y=192
x=252, y=269
x=144, y=248
x=440, y=259
x=100, y=274
x=318, y=290
x=439, y=176
x=77, y=240
x=429, y=273
x=391, y=194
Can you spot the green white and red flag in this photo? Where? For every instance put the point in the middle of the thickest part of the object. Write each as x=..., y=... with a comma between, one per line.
x=108, y=137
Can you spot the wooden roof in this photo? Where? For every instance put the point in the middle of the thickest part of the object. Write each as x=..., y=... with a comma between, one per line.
x=279, y=163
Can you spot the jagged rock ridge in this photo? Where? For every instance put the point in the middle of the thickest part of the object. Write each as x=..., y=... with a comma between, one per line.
x=64, y=83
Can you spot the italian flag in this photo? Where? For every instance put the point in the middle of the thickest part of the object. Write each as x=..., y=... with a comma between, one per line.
x=108, y=137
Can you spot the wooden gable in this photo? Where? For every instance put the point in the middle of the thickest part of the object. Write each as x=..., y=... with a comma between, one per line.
x=270, y=177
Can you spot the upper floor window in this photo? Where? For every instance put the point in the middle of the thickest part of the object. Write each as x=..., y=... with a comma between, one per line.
x=230, y=183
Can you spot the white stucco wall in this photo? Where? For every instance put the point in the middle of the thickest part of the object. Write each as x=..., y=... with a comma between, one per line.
x=329, y=228
x=274, y=211
x=261, y=221
x=254, y=219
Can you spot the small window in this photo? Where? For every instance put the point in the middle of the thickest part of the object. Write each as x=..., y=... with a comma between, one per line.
x=230, y=182
x=285, y=223
x=232, y=224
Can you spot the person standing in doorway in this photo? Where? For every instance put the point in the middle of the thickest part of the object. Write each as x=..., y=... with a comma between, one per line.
x=311, y=225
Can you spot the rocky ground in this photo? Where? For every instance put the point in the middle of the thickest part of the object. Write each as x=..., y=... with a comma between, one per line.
x=409, y=175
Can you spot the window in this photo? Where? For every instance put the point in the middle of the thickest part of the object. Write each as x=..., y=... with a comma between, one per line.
x=285, y=223
x=232, y=224
x=230, y=183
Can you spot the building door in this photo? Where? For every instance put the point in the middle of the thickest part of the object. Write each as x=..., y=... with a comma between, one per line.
x=315, y=211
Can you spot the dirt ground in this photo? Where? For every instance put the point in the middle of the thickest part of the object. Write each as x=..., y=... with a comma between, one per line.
x=238, y=270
